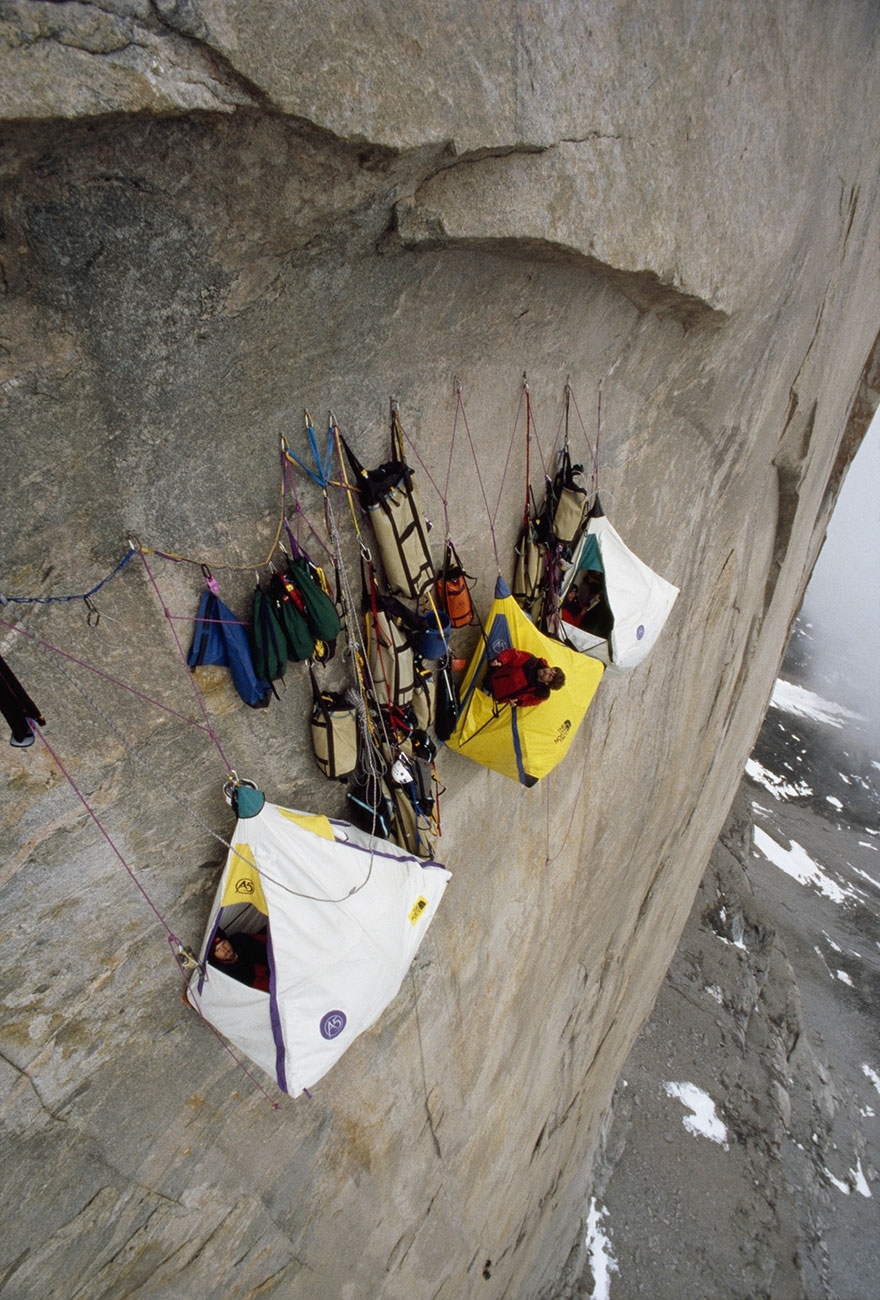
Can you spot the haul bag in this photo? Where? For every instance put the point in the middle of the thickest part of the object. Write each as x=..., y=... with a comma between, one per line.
x=529, y=573
x=334, y=733
x=392, y=663
x=389, y=497
x=397, y=522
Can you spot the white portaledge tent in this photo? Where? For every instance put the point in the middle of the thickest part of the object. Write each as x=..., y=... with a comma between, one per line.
x=635, y=601
x=345, y=913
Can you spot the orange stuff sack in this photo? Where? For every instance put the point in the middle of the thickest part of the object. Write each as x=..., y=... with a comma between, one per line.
x=453, y=593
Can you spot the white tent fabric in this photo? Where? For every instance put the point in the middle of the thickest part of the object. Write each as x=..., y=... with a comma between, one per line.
x=346, y=913
x=640, y=600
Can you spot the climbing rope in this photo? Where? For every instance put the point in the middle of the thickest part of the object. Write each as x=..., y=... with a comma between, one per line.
x=44, y=645
x=62, y=600
x=181, y=652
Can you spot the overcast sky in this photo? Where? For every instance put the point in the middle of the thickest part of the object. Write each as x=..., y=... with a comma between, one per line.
x=843, y=598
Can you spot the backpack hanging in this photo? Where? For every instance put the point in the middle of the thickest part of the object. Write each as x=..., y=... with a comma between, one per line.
x=528, y=579
x=389, y=626
x=220, y=638
x=291, y=610
x=572, y=500
x=389, y=497
x=334, y=732
x=320, y=611
x=268, y=638
x=453, y=593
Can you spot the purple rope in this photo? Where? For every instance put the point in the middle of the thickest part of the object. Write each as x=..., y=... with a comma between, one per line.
x=172, y=937
x=548, y=861
x=428, y=474
x=290, y=481
x=507, y=464
x=480, y=481
x=594, y=454
x=79, y=794
x=445, y=497
x=46, y=645
x=533, y=433
x=201, y=703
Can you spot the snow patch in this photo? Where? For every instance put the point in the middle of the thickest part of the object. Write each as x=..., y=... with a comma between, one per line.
x=844, y=978
x=857, y=1182
x=777, y=785
x=703, y=1121
x=715, y=992
x=864, y=875
x=598, y=1246
x=834, y=801
x=737, y=930
x=796, y=862
x=790, y=698
x=872, y=1076
x=838, y=1182
x=860, y=1182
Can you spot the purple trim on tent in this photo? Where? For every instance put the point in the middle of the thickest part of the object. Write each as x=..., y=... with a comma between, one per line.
x=380, y=853
x=274, y=1017
x=498, y=638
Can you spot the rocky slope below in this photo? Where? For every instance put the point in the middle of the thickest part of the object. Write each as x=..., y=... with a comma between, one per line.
x=768, y=1022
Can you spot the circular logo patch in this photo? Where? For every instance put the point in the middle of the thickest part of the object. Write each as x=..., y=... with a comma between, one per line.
x=640, y=631
x=333, y=1024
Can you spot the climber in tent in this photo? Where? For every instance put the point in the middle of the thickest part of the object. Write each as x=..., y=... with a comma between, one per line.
x=522, y=743
x=242, y=956
x=343, y=913
x=611, y=605
x=521, y=678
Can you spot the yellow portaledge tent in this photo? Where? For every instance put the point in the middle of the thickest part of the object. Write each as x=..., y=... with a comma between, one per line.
x=524, y=743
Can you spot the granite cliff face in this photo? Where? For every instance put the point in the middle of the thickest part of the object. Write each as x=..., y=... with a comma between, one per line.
x=215, y=215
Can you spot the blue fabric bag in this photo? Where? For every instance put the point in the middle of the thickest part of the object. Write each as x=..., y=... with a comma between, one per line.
x=221, y=639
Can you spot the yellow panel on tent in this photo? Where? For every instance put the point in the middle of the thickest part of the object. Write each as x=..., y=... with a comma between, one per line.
x=523, y=743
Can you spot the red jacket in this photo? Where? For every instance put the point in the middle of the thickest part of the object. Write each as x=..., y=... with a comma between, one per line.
x=514, y=680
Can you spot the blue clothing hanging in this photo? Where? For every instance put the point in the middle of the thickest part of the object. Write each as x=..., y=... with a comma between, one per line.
x=221, y=639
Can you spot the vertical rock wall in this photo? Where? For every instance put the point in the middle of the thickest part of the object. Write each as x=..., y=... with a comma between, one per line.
x=214, y=216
